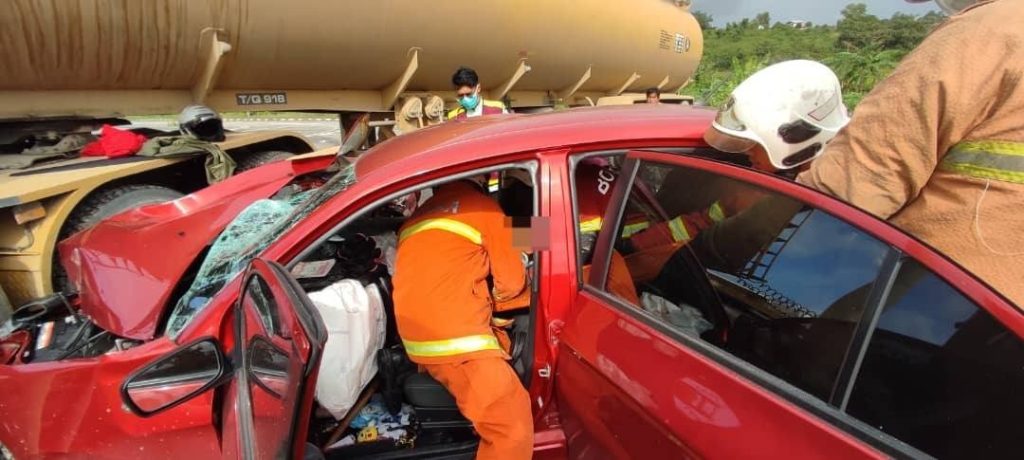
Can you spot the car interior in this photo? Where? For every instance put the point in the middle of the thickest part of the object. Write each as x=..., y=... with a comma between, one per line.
x=416, y=417
x=744, y=318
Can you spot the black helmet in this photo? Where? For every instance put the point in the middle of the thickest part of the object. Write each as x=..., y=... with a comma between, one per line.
x=201, y=122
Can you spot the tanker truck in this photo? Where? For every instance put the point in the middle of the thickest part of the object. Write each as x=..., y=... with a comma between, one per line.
x=69, y=66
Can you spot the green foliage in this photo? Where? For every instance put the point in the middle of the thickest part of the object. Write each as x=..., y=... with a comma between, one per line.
x=705, y=20
x=862, y=48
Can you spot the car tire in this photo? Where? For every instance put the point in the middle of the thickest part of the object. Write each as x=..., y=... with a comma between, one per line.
x=255, y=160
x=101, y=205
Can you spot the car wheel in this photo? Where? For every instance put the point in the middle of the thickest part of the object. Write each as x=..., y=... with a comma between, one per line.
x=101, y=205
x=255, y=160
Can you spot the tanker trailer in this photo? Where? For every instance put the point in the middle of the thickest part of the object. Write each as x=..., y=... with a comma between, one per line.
x=68, y=66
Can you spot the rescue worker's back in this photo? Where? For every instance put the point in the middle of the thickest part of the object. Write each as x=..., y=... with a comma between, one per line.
x=441, y=272
x=443, y=307
x=938, y=147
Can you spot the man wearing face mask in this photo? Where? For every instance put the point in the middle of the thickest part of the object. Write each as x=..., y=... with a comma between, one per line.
x=938, y=147
x=467, y=92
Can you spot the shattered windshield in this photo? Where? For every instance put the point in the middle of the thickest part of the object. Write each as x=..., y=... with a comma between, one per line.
x=260, y=224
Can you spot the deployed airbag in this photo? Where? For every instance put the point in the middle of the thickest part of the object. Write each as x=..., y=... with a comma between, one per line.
x=354, y=316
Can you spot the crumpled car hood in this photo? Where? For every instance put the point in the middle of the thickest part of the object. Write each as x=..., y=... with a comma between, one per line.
x=126, y=267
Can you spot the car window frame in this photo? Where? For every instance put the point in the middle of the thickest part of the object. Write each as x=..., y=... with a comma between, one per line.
x=901, y=246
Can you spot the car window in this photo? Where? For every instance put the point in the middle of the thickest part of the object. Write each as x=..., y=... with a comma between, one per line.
x=941, y=374
x=776, y=283
x=259, y=299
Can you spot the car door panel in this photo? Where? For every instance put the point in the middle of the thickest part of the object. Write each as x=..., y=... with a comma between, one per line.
x=628, y=390
x=268, y=403
x=718, y=405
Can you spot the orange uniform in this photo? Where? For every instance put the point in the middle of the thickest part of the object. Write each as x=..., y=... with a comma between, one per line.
x=443, y=307
x=937, y=148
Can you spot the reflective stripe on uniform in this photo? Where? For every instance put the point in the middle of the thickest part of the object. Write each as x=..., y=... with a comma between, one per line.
x=998, y=160
x=591, y=225
x=449, y=225
x=455, y=112
x=716, y=213
x=633, y=229
x=679, y=232
x=450, y=347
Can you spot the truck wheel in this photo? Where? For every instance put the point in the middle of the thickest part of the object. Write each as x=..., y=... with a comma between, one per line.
x=101, y=205
x=255, y=160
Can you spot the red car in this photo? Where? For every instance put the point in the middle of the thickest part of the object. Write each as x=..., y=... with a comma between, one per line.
x=840, y=337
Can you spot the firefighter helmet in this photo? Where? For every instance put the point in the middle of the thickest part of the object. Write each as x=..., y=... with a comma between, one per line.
x=792, y=109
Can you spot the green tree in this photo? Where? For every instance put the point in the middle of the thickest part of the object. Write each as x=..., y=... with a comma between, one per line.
x=861, y=48
x=705, y=20
x=858, y=29
x=859, y=72
x=763, y=20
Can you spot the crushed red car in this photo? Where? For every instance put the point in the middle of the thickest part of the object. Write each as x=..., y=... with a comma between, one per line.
x=192, y=333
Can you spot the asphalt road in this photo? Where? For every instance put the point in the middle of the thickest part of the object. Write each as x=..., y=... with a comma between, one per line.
x=321, y=133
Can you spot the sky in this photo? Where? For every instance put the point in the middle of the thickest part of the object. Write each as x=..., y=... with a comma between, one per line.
x=816, y=11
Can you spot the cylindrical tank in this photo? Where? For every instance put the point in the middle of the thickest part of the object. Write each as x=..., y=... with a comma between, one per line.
x=345, y=45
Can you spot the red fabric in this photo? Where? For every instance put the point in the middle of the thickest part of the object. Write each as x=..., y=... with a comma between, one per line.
x=114, y=143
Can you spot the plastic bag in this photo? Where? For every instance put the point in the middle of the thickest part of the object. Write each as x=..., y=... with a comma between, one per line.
x=354, y=316
x=688, y=319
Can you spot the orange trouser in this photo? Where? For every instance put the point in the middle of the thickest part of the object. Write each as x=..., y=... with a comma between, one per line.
x=490, y=395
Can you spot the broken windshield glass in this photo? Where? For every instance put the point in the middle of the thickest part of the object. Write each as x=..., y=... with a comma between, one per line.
x=260, y=224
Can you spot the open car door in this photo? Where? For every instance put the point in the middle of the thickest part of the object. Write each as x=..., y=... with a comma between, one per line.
x=782, y=323
x=279, y=338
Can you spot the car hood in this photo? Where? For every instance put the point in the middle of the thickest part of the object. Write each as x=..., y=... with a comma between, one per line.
x=127, y=267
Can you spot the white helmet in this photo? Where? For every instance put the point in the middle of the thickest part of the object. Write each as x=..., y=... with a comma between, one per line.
x=792, y=109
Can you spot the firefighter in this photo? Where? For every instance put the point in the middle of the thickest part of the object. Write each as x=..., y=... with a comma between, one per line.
x=467, y=92
x=938, y=147
x=447, y=250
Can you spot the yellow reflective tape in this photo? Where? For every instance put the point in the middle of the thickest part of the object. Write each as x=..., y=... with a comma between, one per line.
x=454, y=113
x=716, y=212
x=591, y=225
x=494, y=104
x=633, y=229
x=451, y=347
x=997, y=160
x=679, y=232
x=449, y=225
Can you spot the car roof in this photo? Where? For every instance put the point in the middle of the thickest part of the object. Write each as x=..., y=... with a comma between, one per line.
x=491, y=136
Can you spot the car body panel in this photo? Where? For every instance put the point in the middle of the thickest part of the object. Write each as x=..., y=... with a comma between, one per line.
x=123, y=267
x=74, y=407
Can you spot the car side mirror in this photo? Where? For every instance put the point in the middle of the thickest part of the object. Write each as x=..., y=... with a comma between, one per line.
x=175, y=378
x=268, y=367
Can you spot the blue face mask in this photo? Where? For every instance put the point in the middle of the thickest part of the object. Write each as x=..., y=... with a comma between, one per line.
x=469, y=102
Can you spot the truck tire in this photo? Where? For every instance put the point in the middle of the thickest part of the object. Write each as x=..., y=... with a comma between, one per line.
x=255, y=160
x=101, y=205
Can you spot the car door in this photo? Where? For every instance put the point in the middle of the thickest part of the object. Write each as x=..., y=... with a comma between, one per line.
x=278, y=340
x=788, y=325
